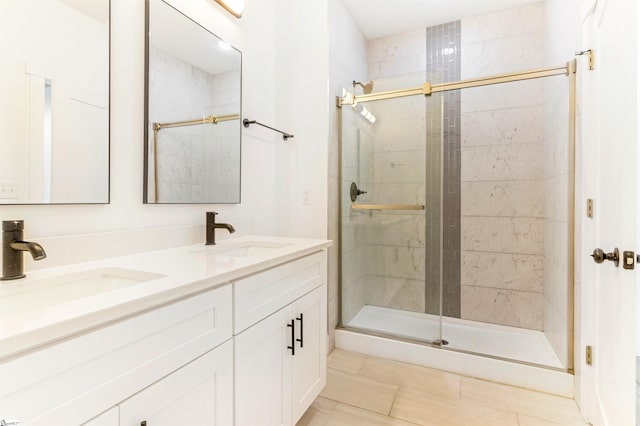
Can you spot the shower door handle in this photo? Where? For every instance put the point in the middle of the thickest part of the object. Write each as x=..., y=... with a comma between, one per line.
x=354, y=192
x=599, y=256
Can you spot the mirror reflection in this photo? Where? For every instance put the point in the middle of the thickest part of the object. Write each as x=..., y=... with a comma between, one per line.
x=192, y=133
x=54, y=101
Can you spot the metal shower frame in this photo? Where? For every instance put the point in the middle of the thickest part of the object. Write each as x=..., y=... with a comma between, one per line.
x=427, y=89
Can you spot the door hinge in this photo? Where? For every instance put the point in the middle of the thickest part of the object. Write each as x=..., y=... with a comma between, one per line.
x=589, y=355
x=590, y=55
x=590, y=207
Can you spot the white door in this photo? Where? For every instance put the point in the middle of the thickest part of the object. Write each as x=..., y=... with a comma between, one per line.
x=309, y=370
x=609, y=159
x=263, y=371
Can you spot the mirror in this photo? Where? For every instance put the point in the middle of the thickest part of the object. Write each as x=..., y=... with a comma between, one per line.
x=192, y=111
x=54, y=101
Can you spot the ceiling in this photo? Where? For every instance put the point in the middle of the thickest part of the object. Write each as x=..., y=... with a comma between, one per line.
x=176, y=34
x=379, y=18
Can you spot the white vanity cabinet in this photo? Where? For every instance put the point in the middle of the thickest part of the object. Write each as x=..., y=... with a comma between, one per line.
x=280, y=342
x=110, y=417
x=114, y=369
x=200, y=393
x=247, y=352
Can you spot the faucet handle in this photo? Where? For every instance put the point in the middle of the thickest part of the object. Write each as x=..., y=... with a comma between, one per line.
x=12, y=225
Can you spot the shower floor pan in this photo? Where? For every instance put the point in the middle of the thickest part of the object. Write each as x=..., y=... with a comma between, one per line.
x=514, y=343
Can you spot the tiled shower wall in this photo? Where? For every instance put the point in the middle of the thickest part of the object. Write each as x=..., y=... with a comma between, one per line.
x=356, y=155
x=502, y=171
x=498, y=164
x=183, y=151
x=444, y=52
x=395, y=239
x=562, y=18
x=422, y=55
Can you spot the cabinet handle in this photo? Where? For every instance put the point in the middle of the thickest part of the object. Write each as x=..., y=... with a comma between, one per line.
x=4, y=422
x=293, y=337
x=301, y=339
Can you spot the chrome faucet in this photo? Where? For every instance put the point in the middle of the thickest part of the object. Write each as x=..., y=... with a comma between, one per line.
x=211, y=227
x=12, y=248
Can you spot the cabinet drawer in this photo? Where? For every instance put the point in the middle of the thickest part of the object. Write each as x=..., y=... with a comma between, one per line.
x=77, y=378
x=200, y=393
x=262, y=294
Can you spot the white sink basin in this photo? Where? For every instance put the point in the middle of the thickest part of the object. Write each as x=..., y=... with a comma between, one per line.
x=41, y=293
x=251, y=249
x=242, y=249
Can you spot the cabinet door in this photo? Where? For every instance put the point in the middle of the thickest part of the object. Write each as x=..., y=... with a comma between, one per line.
x=263, y=372
x=108, y=418
x=200, y=393
x=309, y=362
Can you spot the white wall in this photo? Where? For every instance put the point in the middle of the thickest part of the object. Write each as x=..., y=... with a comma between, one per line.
x=284, y=85
x=348, y=62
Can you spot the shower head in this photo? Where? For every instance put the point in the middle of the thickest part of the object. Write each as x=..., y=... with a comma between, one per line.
x=366, y=87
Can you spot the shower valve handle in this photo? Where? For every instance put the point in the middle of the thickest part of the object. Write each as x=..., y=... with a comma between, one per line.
x=599, y=256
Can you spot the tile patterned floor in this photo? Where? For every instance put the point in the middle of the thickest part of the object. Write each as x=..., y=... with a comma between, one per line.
x=368, y=391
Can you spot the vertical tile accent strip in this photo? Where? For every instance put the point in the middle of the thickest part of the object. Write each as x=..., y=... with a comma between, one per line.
x=443, y=55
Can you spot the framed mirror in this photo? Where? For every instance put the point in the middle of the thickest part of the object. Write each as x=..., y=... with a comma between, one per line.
x=54, y=101
x=192, y=111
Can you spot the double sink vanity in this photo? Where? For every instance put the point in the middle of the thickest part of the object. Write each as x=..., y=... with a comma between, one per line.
x=220, y=334
x=233, y=333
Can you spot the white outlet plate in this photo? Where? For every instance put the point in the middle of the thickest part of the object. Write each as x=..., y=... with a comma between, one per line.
x=306, y=197
x=8, y=190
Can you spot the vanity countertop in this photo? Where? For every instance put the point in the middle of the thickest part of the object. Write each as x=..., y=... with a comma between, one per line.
x=54, y=304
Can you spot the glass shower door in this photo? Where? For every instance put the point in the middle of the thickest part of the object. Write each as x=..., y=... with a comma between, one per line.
x=390, y=215
x=514, y=189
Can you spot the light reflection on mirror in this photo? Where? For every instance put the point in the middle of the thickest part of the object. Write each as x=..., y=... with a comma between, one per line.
x=192, y=133
x=54, y=101
x=47, y=141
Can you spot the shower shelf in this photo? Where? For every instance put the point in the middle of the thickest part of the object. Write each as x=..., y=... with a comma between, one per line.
x=387, y=207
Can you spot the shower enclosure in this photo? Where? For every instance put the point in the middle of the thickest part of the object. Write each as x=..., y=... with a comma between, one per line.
x=456, y=211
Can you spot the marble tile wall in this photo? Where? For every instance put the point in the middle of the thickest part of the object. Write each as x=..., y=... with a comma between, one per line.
x=180, y=91
x=222, y=155
x=502, y=178
x=557, y=297
x=397, y=54
x=357, y=153
x=396, y=239
x=410, y=136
